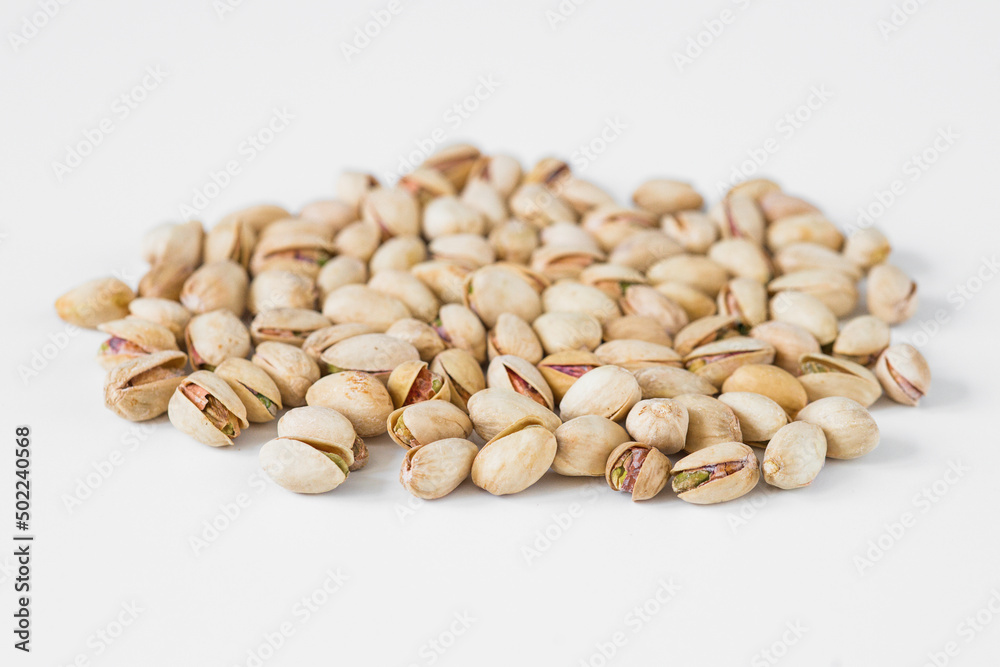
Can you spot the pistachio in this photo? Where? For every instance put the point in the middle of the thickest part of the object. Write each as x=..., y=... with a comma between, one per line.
x=638, y=469
x=328, y=431
x=662, y=196
x=659, y=422
x=694, y=231
x=635, y=354
x=395, y=211
x=636, y=327
x=862, y=340
x=425, y=184
x=745, y=299
x=790, y=341
x=254, y=387
x=670, y=382
x=436, y=469
x=302, y=252
x=164, y=312
x=710, y=422
x=812, y=227
x=611, y=224
x=460, y=327
x=717, y=361
x=512, y=335
x=516, y=374
x=493, y=410
x=299, y=467
x=413, y=382
x=892, y=295
x=739, y=217
x=205, y=408
x=646, y=301
x=420, y=335
x=321, y=340
x=904, y=373
x=409, y=290
x=867, y=247
x=359, y=240
x=335, y=214
x=463, y=373
x=571, y=296
x=583, y=196
x=742, y=258
x=140, y=388
x=823, y=376
x=429, y=421
x=232, y=239
x=794, y=456
x=548, y=171
x=132, y=338
x=503, y=172
x=292, y=370
x=281, y=289
x=286, y=325
x=807, y=312
x=515, y=458
x=180, y=256
x=472, y=250
x=835, y=289
x=535, y=204
x=606, y=391
x=358, y=396
x=485, y=198
x=807, y=256
x=562, y=369
x=704, y=331
x=702, y=273
x=455, y=162
x=213, y=337
x=611, y=278
x=565, y=233
x=497, y=289
x=362, y=304
x=776, y=383
x=695, y=303
x=375, y=354
x=716, y=474
x=514, y=241
x=777, y=205
x=584, y=444
x=759, y=416
x=450, y=215
x=558, y=262
x=643, y=249
x=339, y=271
x=352, y=187
x=560, y=332
x=849, y=428
x=445, y=278
x=397, y=254
x=95, y=302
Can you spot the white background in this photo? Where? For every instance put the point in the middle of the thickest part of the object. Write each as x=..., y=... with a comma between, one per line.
x=830, y=560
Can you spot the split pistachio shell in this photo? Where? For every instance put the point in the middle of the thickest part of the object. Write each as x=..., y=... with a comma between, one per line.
x=716, y=474
x=425, y=184
x=663, y=196
x=739, y=217
x=700, y=272
x=694, y=231
x=131, y=338
x=292, y=370
x=515, y=458
x=611, y=278
x=255, y=388
x=428, y=421
x=808, y=256
x=867, y=247
x=777, y=205
x=904, y=373
x=649, y=302
x=461, y=328
x=823, y=376
x=327, y=430
x=303, y=249
x=503, y=172
x=742, y=258
x=214, y=286
x=470, y=249
x=164, y=312
x=636, y=327
x=420, y=335
x=360, y=303
x=710, y=421
x=635, y=354
x=493, y=410
x=395, y=210
x=811, y=227
x=794, y=456
x=181, y=255
x=212, y=338
x=513, y=335
x=352, y=187
x=484, y=198
x=583, y=196
x=299, y=467
x=643, y=249
x=776, y=383
x=463, y=373
x=564, y=262
x=413, y=382
x=257, y=217
x=548, y=171
x=760, y=417
x=790, y=341
x=704, y=331
x=535, y=204
x=335, y=214
x=573, y=296
x=892, y=295
x=204, y=407
x=717, y=361
x=339, y=271
x=446, y=278
x=436, y=469
x=140, y=388
x=95, y=302
x=806, y=311
x=849, y=428
x=660, y=423
x=455, y=162
x=566, y=234
x=835, y=289
x=358, y=396
x=286, y=325
x=516, y=374
x=322, y=339
x=277, y=288
x=607, y=391
x=559, y=332
x=745, y=299
x=400, y=253
x=584, y=444
x=862, y=340
x=496, y=289
x=562, y=369
x=418, y=298
x=695, y=303
x=611, y=225
x=638, y=469
x=375, y=354
x=669, y=382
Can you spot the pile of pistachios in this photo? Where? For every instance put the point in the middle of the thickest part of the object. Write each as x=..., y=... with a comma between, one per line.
x=500, y=323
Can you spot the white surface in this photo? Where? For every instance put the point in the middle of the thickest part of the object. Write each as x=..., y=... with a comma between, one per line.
x=791, y=561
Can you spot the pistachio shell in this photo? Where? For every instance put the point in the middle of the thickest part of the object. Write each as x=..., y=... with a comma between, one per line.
x=180, y=256
x=450, y=215
x=211, y=338
x=339, y=271
x=717, y=361
x=867, y=247
x=375, y=354
x=695, y=303
x=794, y=456
x=663, y=196
x=323, y=428
x=471, y=250
x=429, y=421
x=806, y=256
x=298, y=467
x=660, y=423
x=359, y=240
x=257, y=217
x=571, y=296
x=652, y=475
x=455, y=162
x=610, y=225
x=359, y=303
x=399, y=253
x=725, y=487
x=164, y=312
x=191, y=420
x=904, y=373
x=518, y=375
x=395, y=210
x=278, y=288
x=292, y=370
x=358, y=396
x=512, y=335
x=704, y=331
x=607, y=391
x=445, y=278
x=503, y=172
x=777, y=205
x=562, y=369
x=419, y=299
x=849, y=428
x=643, y=249
x=420, y=335
x=535, y=204
x=140, y=389
x=745, y=299
x=790, y=341
x=496, y=289
x=515, y=458
x=823, y=376
x=559, y=332
x=493, y=410
x=892, y=295
x=462, y=328
x=95, y=302
x=862, y=340
x=286, y=325
x=835, y=289
x=806, y=311
x=436, y=469
x=217, y=285
x=142, y=338
x=584, y=444
x=353, y=186
x=413, y=382
x=636, y=327
x=514, y=241
x=635, y=354
x=335, y=214
x=760, y=417
x=776, y=383
x=669, y=382
x=322, y=339
x=739, y=217
x=697, y=271
x=254, y=387
x=646, y=301
x=694, y=231
x=463, y=373
x=811, y=227
x=742, y=258
x=710, y=422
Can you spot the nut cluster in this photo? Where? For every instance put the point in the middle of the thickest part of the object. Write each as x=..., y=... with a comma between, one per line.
x=564, y=330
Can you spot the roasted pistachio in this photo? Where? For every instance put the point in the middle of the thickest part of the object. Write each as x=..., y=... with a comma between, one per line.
x=739, y=217
x=776, y=383
x=204, y=407
x=669, y=382
x=710, y=422
x=663, y=196
x=497, y=289
x=717, y=361
x=409, y=290
x=867, y=247
x=395, y=211
x=299, y=467
x=339, y=271
x=420, y=335
x=745, y=299
x=360, y=303
x=835, y=289
x=823, y=376
x=455, y=162
x=559, y=332
x=794, y=456
x=180, y=256
x=95, y=302
x=892, y=295
x=164, y=312
x=716, y=474
x=254, y=387
x=790, y=341
x=742, y=258
x=849, y=428
x=607, y=391
x=638, y=469
x=211, y=338
x=214, y=286
x=807, y=312
x=516, y=374
x=904, y=373
x=140, y=388
x=358, y=396
x=463, y=373
x=646, y=301
x=812, y=227
x=413, y=382
x=584, y=444
x=760, y=417
x=704, y=331
x=286, y=325
x=281, y=289
x=375, y=354
x=636, y=327
x=700, y=272
x=862, y=340
x=808, y=256
x=471, y=250
x=292, y=370
x=493, y=410
x=450, y=215
x=635, y=354
x=659, y=422
x=429, y=421
x=777, y=205
x=328, y=431
x=132, y=338
x=512, y=335
x=571, y=296
x=317, y=342
x=694, y=231
x=515, y=458
x=400, y=253
x=436, y=469
x=562, y=369
x=460, y=327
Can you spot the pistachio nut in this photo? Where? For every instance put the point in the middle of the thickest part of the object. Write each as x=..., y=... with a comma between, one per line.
x=716, y=474
x=607, y=391
x=742, y=258
x=463, y=373
x=328, y=431
x=776, y=383
x=835, y=289
x=400, y=253
x=428, y=421
x=358, y=396
x=867, y=247
x=692, y=230
x=180, y=256
x=810, y=227
x=670, y=382
x=436, y=469
x=503, y=172
x=514, y=241
x=292, y=370
x=584, y=444
x=286, y=325
x=759, y=416
x=320, y=340
x=211, y=338
x=205, y=408
x=485, y=198
x=635, y=354
x=420, y=335
x=695, y=303
x=232, y=239
x=717, y=361
x=849, y=428
x=95, y=302
x=515, y=458
x=638, y=469
x=512, y=335
x=376, y=354
x=583, y=196
x=611, y=278
x=409, y=290
x=302, y=252
x=493, y=410
x=360, y=240
x=611, y=224
x=140, y=388
x=516, y=374
x=807, y=256
x=131, y=338
x=659, y=422
x=537, y=205
x=448, y=215
x=739, y=217
x=299, y=467
x=777, y=205
x=636, y=327
x=445, y=278
x=460, y=327
x=559, y=332
x=892, y=295
x=562, y=369
x=353, y=186
x=704, y=331
x=254, y=387
x=548, y=171
x=702, y=273
x=335, y=214
x=806, y=311
x=497, y=289
x=794, y=456
x=710, y=422
x=413, y=382
x=662, y=196
x=823, y=376
x=569, y=234
x=425, y=184
x=643, y=249
x=455, y=162
x=746, y=300
x=362, y=304
x=904, y=373
x=281, y=289
x=862, y=340
x=297, y=228
x=646, y=301
x=571, y=296
x=164, y=312
x=472, y=250
x=790, y=341
x=339, y=271
x=154, y=242
x=395, y=211
x=558, y=262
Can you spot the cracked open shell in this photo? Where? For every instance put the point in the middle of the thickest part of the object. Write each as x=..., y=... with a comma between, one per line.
x=299, y=467
x=776, y=383
x=455, y=162
x=460, y=327
x=204, y=407
x=256, y=389
x=584, y=444
x=808, y=256
x=572, y=296
x=231, y=239
x=327, y=430
x=358, y=396
x=320, y=340
x=400, y=253
x=745, y=299
x=659, y=422
x=339, y=271
x=140, y=388
x=717, y=361
x=213, y=337
x=812, y=227
x=892, y=295
x=635, y=354
x=516, y=374
x=636, y=327
x=362, y=304
x=425, y=422
x=181, y=255
x=776, y=205
x=824, y=376
x=95, y=302
x=662, y=196
x=413, y=382
x=470, y=249
x=710, y=421
x=352, y=186
x=607, y=391
x=535, y=204
x=484, y=198
x=303, y=252
x=700, y=272
x=286, y=325
x=503, y=172
x=559, y=332
x=695, y=303
x=693, y=230
x=649, y=302
x=334, y=214
x=638, y=469
x=643, y=249
x=904, y=373
x=835, y=289
x=512, y=335
x=395, y=211
x=425, y=184
x=131, y=338
x=436, y=469
x=742, y=258
x=806, y=311
x=375, y=354
x=669, y=382
x=448, y=215
x=561, y=262
x=463, y=373
x=420, y=335
x=562, y=369
x=716, y=474
x=292, y=370
x=739, y=217
x=515, y=458
x=418, y=298
x=612, y=224
x=164, y=312
x=704, y=331
x=862, y=340
x=277, y=288
x=790, y=342
x=611, y=278
x=493, y=410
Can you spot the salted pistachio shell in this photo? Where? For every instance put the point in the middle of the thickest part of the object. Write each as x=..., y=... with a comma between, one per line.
x=286, y=325
x=445, y=278
x=515, y=458
x=418, y=298
x=806, y=311
x=493, y=410
x=395, y=211
x=636, y=327
x=776, y=383
x=571, y=296
x=278, y=288
x=255, y=388
x=513, y=335
x=399, y=253
x=413, y=381
x=759, y=416
x=296, y=234
x=335, y=214
x=537, y=205
x=904, y=373
x=811, y=227
x=470, y=249
x=649, y=302
x=700, y=272
x=301, y=250
x=794, y=456
x=222, y=401
x=359, y=240
x=790, y=341
x=867, y=247
x=892, y=295
x=429, y=421
x=704, y=331
x=375, y=354
x=436, y=469
x=514, y=241
x=497, y=289
x=742, y=258
x=692, y=230
x=695, y=303
x=745, y=299
x=710, y=421
x=611, y=225
x=739, y=217
x=320, y=340
x=807, y=256
x=777, y=205
x=140, y=388
x=559, y=332
x=299, y=467
x=230, y=240
x=292, y=370
x=339, y=271
x=717, y=361
x=95, y=302
x=660, y=423
x=583, y=196
x=131, y=338
x=562, y=369
x=862, y=340
x=425, y=184
x=548, y=171
x=463, y=373
x=211, y=338
x=836, y=290
x=353, y=186
x=460, y=327
x=358, y=396
x=643, y=249
x=455, y=162
x=716, y=474
x=669, y=382
x=663, y=196
x=420, y=335
x=519, y=375
x=360, y=303
x=325, y=429
x=635, y=354
x=179, y=257
x=164, y=312
x=584, y=444
x=607, y=391
x=823, y=376
x=560, y=262
x=611, y=278
x=503, y=172
x=849, y=428
x=638, y=469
